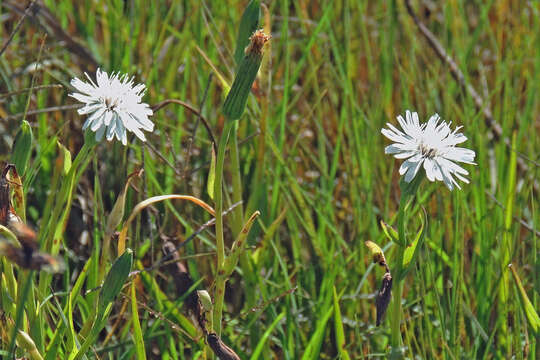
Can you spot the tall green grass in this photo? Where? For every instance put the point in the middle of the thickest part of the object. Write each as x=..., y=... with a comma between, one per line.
x=311, y=161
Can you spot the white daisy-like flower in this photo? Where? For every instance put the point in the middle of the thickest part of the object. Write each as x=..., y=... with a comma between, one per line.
x=113, y=105
x=432, y=144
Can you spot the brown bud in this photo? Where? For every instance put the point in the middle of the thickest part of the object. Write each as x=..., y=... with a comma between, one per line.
x=256, y=42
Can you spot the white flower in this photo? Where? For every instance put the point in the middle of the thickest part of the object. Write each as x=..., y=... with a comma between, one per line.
x=432, y=144
x=113, y=105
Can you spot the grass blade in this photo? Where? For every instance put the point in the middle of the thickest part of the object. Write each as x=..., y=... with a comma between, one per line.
x=526, y=304
x=137, y=332
x=338, y=328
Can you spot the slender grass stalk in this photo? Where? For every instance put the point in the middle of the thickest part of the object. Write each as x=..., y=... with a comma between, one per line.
x=408, y=192
x=220, y=244
x=507, y=251
x=237, y=214
x=395, y=314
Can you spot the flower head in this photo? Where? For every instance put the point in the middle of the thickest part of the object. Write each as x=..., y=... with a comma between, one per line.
x=432, y=144
x=113, y=105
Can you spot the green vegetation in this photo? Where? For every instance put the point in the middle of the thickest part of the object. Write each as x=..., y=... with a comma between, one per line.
x=300, y=174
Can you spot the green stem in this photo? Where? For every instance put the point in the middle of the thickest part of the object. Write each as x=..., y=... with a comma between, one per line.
x=220, y=244
x=237, y=214
x=395, y=320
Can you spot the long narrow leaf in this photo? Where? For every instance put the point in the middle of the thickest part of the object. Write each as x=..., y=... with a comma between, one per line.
x=526, y=304
x=338, y=328
x=137, y=332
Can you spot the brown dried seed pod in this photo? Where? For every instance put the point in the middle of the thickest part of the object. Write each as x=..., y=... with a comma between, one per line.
x=383, y=297
x=222, y=351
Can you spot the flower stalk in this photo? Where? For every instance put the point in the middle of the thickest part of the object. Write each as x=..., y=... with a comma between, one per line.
x=237, y=214
x=429, y=148
x=408, y=191
x=233, y=108
x=220, y=243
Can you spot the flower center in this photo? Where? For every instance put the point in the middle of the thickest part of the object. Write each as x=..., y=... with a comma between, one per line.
x=427, y=151
x=110, y=104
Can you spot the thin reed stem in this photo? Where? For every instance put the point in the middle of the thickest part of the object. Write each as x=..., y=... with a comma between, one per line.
x=238, y=212
x=220, y=244
x=395, y=318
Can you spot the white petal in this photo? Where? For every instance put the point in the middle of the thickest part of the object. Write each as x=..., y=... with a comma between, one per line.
x=397, y=137
x=410, y=167
x=460, y=154
x=415, y=120
x=82, y=86
x=405, y=154
x=107, y=117
x=90, y=108
x=102, y=78
x=139, y=134
x=100, y=132
x=433, y=171
x=97, y=122
x=413, y=170
x=428, y=166
x=94, y=120
x=437, y=172
x=82, y=98
x=111, y=130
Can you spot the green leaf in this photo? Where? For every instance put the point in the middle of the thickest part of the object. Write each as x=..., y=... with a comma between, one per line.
x=248, y=24
x=117, y=213
x=260, y=346
x=64, y=158
x=314, y=346
x=526, y=304
x=22, y=147
x=116, y=277
x=211, y=175
x=137, y=332
x=390, y=232
x=238, y=245
x=338, y=329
